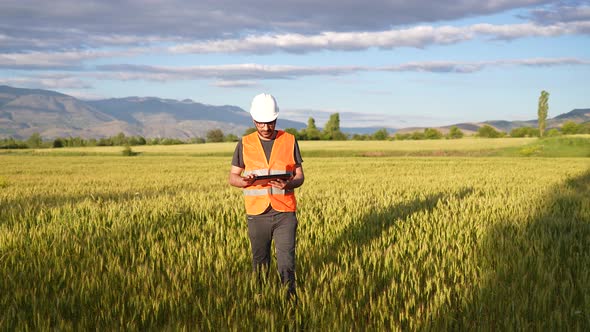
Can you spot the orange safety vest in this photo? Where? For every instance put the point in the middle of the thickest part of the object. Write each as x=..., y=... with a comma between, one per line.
x=281, y=161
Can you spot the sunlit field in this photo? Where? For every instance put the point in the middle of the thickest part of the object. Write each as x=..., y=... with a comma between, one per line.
x=468, y=144
x=96, y=240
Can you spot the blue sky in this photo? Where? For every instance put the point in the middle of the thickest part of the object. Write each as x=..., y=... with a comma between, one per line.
x=378, y=63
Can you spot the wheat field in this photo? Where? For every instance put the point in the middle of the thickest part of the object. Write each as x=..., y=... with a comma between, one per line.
x=159, y=241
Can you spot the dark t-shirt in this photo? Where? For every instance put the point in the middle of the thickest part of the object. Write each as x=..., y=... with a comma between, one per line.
x=238, y=159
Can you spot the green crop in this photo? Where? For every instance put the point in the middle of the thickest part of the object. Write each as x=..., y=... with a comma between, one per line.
x=384, y=243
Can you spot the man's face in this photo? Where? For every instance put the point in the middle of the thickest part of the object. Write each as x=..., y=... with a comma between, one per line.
x=265, y=129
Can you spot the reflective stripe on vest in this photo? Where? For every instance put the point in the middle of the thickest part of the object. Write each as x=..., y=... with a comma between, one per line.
x=258, y=198
x=262, y=192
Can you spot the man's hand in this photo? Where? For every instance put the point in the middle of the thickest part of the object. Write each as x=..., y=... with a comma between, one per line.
x=237, y=180
x=280, y=184
x=248, y=179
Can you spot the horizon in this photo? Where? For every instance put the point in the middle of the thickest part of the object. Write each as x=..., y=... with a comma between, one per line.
x=377, y=64
x=322, y=119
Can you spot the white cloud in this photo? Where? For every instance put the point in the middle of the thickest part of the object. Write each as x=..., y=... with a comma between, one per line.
x=230, y=72
x=561, y=12
x=249, y=72
x=249, y=75
x=58, y=81
x=73, y=24
x=58, y=60
x=235, y=84
x=417, y=37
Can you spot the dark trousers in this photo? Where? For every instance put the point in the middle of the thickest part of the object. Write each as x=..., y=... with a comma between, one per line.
x=280, y=227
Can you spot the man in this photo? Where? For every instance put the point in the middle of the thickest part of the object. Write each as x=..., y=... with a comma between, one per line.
x=270, y=208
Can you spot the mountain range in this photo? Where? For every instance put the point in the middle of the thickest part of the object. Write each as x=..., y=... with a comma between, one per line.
x=53, y=114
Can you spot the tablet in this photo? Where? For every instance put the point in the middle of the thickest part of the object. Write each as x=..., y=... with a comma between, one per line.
x=262, y=180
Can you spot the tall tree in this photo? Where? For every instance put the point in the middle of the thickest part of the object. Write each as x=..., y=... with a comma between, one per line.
x=542, y=111
x=35, y=141
x=311, y=132
x=332, y=128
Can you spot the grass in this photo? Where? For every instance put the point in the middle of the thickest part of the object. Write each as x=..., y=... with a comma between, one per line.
x=571, y=146
x=159, y=241
x=567, y=146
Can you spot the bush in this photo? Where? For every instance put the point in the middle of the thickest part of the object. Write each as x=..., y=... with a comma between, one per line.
x=57, y=143
x=230, y=138
x=11, y=143
x=489, y=132
x=552, y=132
x=215, y=135
x=127, y=151
x=401, y=137
x=359, y=137
x=431, y=133
x=524, y=132
x=417, y=135
x=381, y=135
x=455, y=133
x=570, y=128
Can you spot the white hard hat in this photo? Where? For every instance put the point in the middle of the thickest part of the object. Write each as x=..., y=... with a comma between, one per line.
x=264, y=108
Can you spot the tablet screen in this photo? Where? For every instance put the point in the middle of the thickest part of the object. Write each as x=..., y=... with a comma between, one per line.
x=262, y=180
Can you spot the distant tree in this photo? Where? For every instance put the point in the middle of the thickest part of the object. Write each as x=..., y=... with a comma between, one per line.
x=380, y=135
x=293, y=132
x=402, y=137
x=214, y=135
x=77, y=141
x=570, y=128
x=153, y=141
x=230, y=138
x=417, y=135
x=311, y=132
x=58, y=143
x=488, y=132
x=136, y=140
x=249, y=131
x=332, y=129
x=431, y=133
x=359, y=137
x=35, y=141
x=104, y=141
x=552, y=132
x=171, y=141
x=524, y=132
x=197, y=140
x=11, y=143
x=119, y=139
x=542, y=111
x=455, y=133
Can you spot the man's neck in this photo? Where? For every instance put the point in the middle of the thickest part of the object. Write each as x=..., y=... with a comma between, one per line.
x=274, y=135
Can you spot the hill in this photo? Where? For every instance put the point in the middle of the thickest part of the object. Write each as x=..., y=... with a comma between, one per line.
x=576, y=115
x=53, y=114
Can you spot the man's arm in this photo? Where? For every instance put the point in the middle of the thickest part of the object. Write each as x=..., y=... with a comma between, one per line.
x=236, y=179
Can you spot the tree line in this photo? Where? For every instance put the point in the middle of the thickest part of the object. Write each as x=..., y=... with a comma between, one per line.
x=311, y=132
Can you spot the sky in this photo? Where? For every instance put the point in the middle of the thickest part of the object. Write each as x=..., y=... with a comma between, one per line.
x=384, y=63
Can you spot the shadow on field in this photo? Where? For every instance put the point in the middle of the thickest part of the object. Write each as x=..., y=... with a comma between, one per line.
x=372, y=225
x=535, y=274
